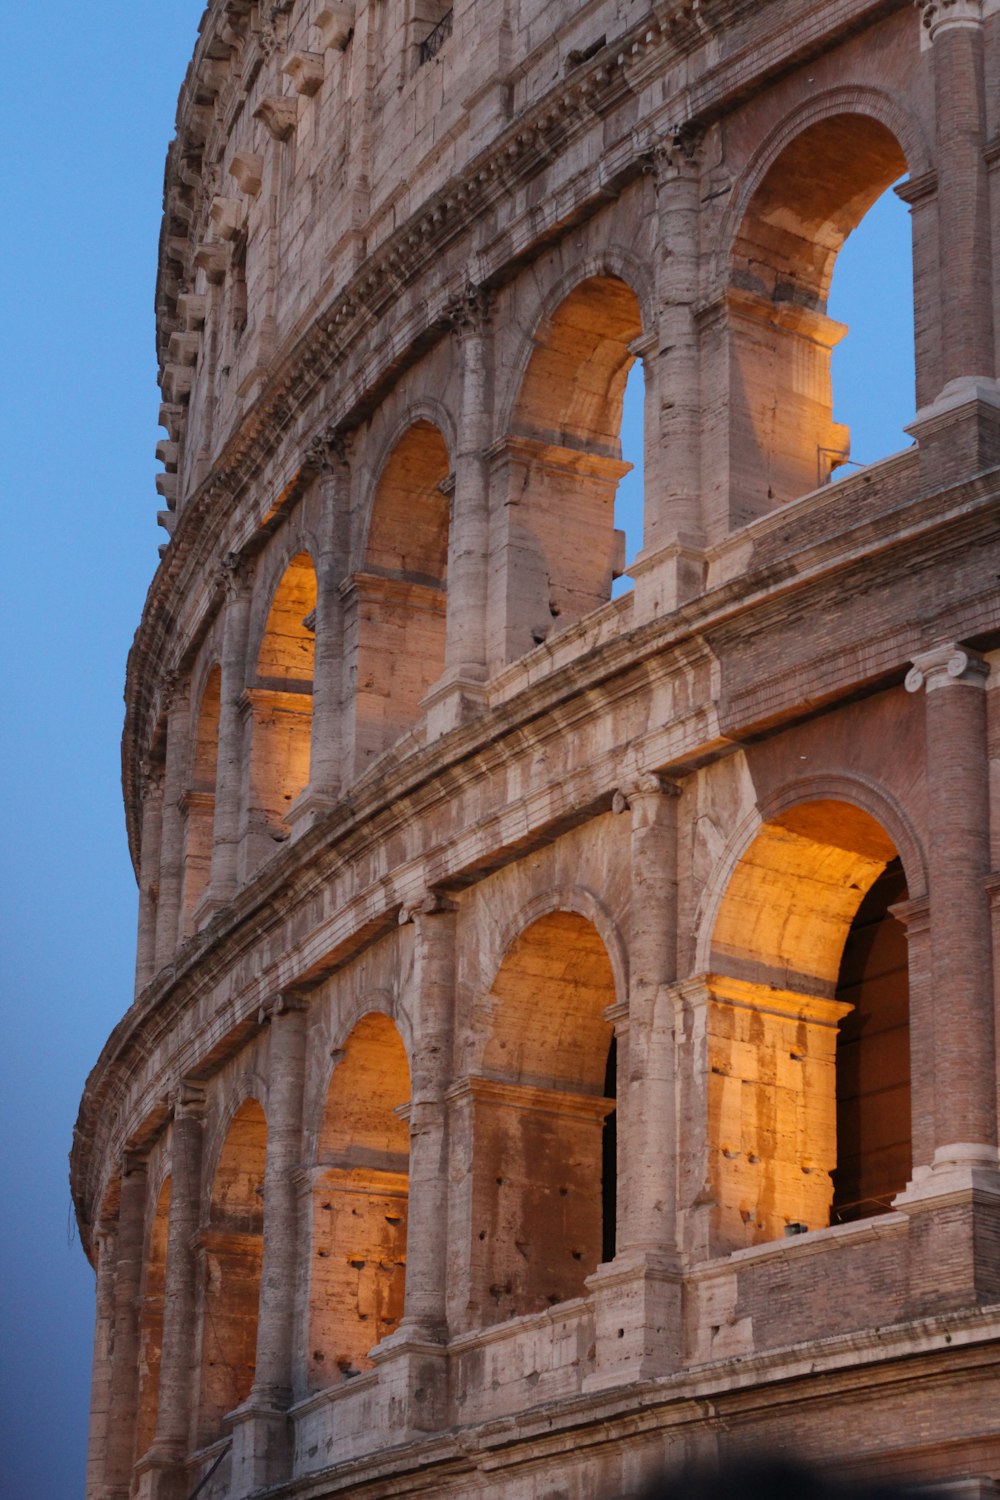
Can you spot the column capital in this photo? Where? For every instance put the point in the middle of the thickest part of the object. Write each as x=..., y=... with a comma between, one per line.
x=644, y=784
x=937, y=16
x=945, y=666
x=284, y=1003
x=469, y=315
x=675, y=153
x=151, y=777
x=188, y=1100
x=328, y=452
x=235, y=575
x=431, y=904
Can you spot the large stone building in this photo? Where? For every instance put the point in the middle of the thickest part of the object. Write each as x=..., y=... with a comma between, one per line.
x=564, y=1034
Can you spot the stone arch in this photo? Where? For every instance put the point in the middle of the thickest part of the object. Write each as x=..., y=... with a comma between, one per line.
x=154, y=1262
x=231, y=1246
x=807, y=1020
x=199, y=797
x=278, y=704
x=396, y=601
x=569, y=898
x=359, y=1202
x=536, y=1114
x=557, y=467
x=808, y=187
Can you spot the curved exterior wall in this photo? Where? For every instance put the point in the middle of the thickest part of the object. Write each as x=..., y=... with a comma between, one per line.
x=564, y=1036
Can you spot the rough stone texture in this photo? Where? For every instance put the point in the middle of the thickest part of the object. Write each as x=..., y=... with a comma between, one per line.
x=529, y=1082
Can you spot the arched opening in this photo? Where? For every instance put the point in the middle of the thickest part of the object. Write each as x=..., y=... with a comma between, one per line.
x=358, y=1270
x=784, y=440
x=542, y=1204
x=396, y=607
x=232, y=1247
x=560, y=466
x=280, y=708
x=151, y=1322
x=199, y=800
x=871, y=293
x=807, y=1029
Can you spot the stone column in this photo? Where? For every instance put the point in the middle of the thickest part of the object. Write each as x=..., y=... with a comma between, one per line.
x=959, y=432
x=411, y=1361
x=954, y=1202
x=230, y=769
x=460, y=690
x=955, y=28
x=958, y=856
x=149, y=875
x=330, y=459
x=261, y=1447
x=100, y=1379
x=168, y=913
x=670, y=567
x=124, y=1371
x=640, y=1290
x=162, y=1473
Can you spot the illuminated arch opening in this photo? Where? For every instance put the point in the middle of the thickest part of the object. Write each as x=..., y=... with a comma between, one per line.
x=232, y=1245
x=358, y=1270
x=807, y=1029
x=396, y=628
x=280, y=708
x=561, y=464
x=784, y=441
x=542, y=1210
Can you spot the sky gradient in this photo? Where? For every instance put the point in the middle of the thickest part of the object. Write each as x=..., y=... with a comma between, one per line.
x=90, y=104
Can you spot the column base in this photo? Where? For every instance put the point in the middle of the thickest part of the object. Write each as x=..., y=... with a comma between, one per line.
x=959, y=433
x=161, y=1474
x=262, y=1447
x=456, y=698
x=413, y=1380
x=954, y=1212
x=665, y=578
x=309, y=807
x=637, y=1318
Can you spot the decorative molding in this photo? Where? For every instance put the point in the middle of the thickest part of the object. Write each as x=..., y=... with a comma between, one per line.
x=944, y=666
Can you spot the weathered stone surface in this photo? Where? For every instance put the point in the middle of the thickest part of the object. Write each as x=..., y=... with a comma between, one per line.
x=529, y=1082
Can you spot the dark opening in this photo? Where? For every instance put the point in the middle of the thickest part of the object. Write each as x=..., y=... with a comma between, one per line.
x=609, y=1158
x=873, y=1058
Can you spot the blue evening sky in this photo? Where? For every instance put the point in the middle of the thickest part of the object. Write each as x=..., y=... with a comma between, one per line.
x=89, y=103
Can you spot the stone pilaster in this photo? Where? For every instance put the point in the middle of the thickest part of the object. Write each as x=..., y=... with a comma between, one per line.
x=149, y=876
x=236, y=579
x=261, y=1438
x=411, y=1361
x=100, y=1378
x=460, y=690
x=959, y=432
x=670, y=567
x=124, y=1365
x=951, y=1198
x=161, y=1471
x=168, y=912
x=330, y=459
x=640, y=1290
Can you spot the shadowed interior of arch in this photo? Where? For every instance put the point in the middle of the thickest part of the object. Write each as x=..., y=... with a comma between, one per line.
x=808, y=1029
x=541, y=1216
x=396, y=628
x=233, y=1247
x=359, y=1204
x=784, y=441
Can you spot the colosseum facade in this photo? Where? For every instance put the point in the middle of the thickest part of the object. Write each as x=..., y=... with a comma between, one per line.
x=564, y=1035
